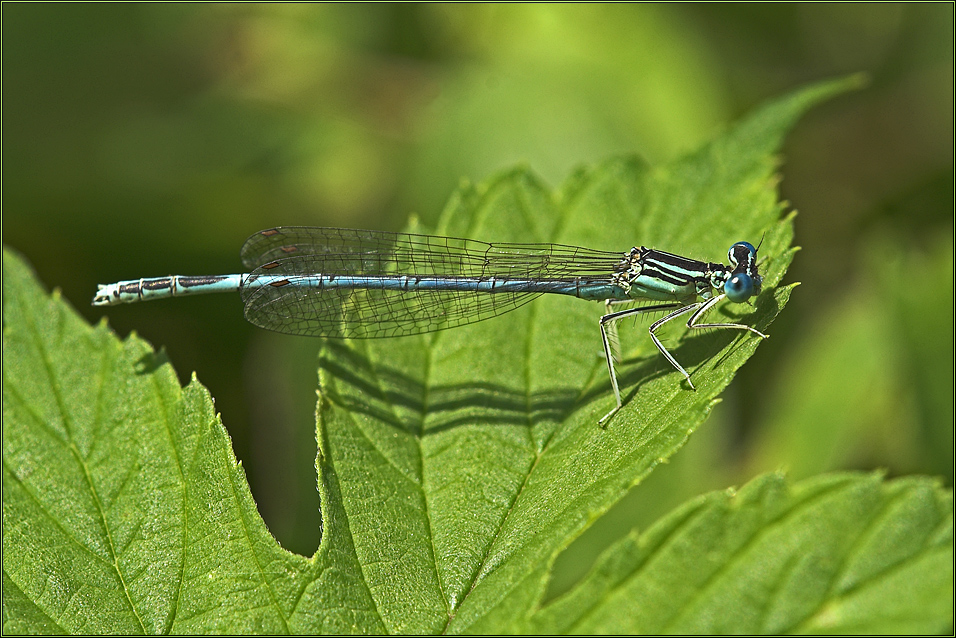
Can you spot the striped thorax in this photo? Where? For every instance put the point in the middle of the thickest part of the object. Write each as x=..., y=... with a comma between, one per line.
x=646, y=273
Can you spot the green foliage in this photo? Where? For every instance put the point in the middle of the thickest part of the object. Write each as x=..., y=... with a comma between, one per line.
x=454, y=468
x=839, y=553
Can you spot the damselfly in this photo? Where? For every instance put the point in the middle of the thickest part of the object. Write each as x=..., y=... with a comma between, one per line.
x=342, y=283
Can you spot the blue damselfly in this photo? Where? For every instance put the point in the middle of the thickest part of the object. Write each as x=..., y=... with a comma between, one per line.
x=343, y=283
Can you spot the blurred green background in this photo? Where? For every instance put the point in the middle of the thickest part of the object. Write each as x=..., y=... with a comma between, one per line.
x=150, y=139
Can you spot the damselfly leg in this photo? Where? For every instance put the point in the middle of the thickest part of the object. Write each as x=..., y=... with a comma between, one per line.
x=609, y=335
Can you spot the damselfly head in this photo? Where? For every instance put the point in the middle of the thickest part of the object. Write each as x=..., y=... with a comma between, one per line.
x=745, y=281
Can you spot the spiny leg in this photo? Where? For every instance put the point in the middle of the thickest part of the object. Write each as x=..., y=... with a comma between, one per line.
x=701, y=308
x=613, y=339
x=660, y=346
x=609, y=338
x=710, y=303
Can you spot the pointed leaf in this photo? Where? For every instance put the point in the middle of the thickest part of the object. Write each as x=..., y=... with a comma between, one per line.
x=837, y=554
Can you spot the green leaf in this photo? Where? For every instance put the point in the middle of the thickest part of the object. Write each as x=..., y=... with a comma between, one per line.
x=124, y=510
x=452, y=468
x=835, y=554
x=469, y=459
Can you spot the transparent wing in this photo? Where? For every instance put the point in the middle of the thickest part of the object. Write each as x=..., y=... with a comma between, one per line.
x=298, y=253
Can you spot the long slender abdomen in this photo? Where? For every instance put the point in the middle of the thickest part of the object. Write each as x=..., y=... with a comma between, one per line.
x=576, y=287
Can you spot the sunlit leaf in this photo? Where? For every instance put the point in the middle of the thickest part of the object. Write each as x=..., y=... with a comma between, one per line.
x=452, y=468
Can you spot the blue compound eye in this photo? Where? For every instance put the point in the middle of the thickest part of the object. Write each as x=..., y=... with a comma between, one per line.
x=739, y=287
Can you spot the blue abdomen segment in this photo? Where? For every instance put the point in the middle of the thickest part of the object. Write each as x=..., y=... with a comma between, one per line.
x=145, y=289
x=368, y=306
x=580, y=288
